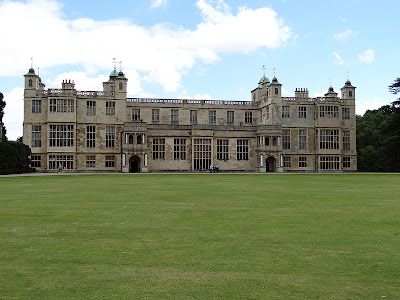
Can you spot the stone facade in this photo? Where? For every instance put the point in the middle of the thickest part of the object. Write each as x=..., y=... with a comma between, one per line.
x=105, y=131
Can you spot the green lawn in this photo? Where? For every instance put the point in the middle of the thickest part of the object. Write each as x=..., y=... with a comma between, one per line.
x=208, y=236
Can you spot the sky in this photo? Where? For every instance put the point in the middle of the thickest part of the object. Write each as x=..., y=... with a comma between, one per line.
x=201, y=49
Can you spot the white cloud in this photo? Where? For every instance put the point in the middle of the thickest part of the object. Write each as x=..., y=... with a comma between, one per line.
x=363, y=105
x=345, y=35
x=339, y=59
x=286, y=93
x=158, y=3
x=367, y=56
x=160, y=54
x=14, y=113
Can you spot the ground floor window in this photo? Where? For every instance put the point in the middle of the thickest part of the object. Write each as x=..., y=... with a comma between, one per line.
x=242, y=152
x=346, y=162
x=159, y=149
x=329, y=162
x=91, y=161
x=302, y=162
x=286, y=162
x=179, y=149
x=66, y=161
x=222, y=149
x=36, y=161
x=110, y=161
x=201, y=154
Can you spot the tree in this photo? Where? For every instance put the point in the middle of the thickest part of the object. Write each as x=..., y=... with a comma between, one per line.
x=395, y=89
x=2, y=106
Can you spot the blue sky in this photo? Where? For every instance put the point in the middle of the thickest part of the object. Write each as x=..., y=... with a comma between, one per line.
x=200, y=49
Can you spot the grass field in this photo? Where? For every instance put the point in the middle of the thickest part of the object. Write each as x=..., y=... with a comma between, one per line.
x=209, y=236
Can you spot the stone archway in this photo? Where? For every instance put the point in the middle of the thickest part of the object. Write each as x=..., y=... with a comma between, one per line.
x=270, y=164
x=134, y=164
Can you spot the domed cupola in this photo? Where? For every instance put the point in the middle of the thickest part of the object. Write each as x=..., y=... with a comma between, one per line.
x=263, y=80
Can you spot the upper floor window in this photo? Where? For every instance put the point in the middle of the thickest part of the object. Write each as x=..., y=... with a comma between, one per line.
x=30, y=83
x=121, y=86
x=90, y=136
x=62, y=105
x=155, y=115
x=328, y=111
x=61, y=135
x=286, y=139
x=302, y=139
x=285, y=112
x=345, y=113
x=36, y=106
x=328, y=139
x=302, y=111
x=230, y=117
x=350, y=93
x=110, y=136
x=36, y=135
x=113, y=88
x=110, y=108
x=267, y=112
x=248, y=117
x=135, y=114
x=91, y=108
x=276, y=91
x=174, y=116
x=212, y=117
x=193, y=116
x=346, y=140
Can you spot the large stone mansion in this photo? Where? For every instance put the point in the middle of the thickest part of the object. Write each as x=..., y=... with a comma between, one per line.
x=106, y=131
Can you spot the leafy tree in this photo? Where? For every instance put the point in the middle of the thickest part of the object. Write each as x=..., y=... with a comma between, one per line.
x=395, y=89
x=2, y=106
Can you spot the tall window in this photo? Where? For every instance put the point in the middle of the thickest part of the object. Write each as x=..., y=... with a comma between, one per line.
x=91, y=136
x=180, y=149
x=302, y=139
x=328, y=139
x=248, y=117
x=135, y=114
x=287, y=162
x=286, y=139
x=110, y=108
x=30, y=82
x=329, y=162
x=302, y=112
x=66, y=161
x=222, y=149
x=346, y=140
x=110, y=136
x=302, y=162
x=212, y=117
x=345, y=113
x=159, y=149
x=201, y=154
x=267, y=112
x=242, y=151
x=91, y=161
x=328, y=111
x=120, y=85
x=230, y=117
x=174, y=116
x=36, y=161
x=61, y=135
x=285, y=112
x=110, y=161
x=346, y=162
x=91, y=108
x=193, y=116
x=36, y=106
x=36, y=136
x=155, y=115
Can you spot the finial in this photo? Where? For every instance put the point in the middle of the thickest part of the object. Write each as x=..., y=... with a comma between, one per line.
x=120, y=65
x=32, y=62
x=38, y=71
x=115, y=63
x=330, y=81
x=264, y=70
x=347, y=75
x=274, y=71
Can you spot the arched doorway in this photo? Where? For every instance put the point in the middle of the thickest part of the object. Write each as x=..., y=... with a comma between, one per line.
x=270, y=164
x=134, y=164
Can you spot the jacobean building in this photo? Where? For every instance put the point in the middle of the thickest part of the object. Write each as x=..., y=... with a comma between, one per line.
x=106, y=131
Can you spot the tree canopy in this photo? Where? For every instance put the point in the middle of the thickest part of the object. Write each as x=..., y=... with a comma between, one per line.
x=2, y=106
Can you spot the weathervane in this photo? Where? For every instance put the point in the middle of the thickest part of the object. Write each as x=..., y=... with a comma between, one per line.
x=32, y=62
x=274, y=71
x=120, y=65
x=115, y=63
x=347, y=75
x=264, y=69
x=330, y=81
